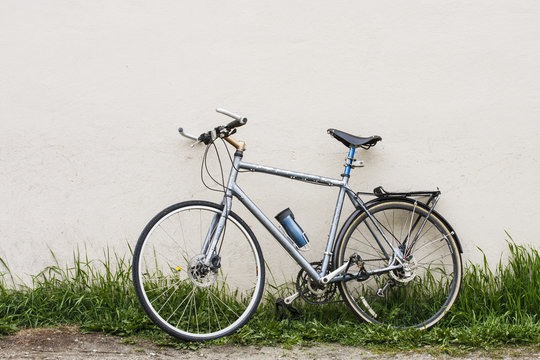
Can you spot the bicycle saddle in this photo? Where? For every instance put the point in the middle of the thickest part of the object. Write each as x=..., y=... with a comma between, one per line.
x=354, y=141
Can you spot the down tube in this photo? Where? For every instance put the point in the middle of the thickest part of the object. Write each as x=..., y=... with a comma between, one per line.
x=275, y=232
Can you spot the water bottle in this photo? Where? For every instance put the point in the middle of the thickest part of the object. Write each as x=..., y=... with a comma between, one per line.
x=295, y=232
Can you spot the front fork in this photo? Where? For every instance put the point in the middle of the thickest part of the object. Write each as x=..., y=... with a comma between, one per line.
x=217, y=227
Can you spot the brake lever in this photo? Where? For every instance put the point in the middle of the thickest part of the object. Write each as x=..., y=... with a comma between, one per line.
x=226, y=133
x=209, y=136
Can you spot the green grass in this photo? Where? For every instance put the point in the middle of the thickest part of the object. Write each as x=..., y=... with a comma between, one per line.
x=497, y=306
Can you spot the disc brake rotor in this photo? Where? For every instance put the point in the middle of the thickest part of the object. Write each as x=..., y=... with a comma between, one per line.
x=199, y=273
x=407, y=273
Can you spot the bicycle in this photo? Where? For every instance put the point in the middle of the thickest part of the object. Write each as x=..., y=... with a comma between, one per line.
x=199, y=272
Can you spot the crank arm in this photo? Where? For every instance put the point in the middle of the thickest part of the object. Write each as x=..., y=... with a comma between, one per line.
x=289, y=299
x=333, y=274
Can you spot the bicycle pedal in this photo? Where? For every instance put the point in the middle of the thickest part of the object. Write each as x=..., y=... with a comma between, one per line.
x=282, y=309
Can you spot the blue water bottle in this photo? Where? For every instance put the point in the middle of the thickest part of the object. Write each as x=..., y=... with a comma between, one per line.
x=295, y=232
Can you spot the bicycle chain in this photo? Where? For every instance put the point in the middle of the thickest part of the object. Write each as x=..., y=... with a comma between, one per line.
x=314, y=299
x=364, y=260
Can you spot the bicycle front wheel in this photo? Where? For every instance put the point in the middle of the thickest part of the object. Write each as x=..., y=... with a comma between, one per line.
x=182, y=295
x=419, y=294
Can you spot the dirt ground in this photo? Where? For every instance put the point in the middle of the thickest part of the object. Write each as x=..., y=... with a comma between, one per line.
x=69, y=343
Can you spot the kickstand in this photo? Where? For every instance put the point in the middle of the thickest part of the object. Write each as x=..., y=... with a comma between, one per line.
x=282, y=308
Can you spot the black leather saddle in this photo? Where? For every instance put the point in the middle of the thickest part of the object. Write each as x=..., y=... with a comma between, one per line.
x=354, y=141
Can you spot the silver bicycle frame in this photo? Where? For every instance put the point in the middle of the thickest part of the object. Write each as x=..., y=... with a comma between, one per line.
x=233, y=189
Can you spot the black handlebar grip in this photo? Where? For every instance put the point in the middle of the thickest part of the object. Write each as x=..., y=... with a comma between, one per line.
x=236, y=123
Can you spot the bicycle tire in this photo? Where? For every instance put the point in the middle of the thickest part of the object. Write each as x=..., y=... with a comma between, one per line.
x=181, y=296
x=417, y=297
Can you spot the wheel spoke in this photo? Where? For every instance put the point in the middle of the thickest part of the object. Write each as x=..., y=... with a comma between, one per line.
x=434, y=251
x=410, y=227
x=368, y=243
x=188, y=298
x=227, y=306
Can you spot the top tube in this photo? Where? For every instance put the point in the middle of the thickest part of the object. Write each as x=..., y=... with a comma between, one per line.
x=294, y=175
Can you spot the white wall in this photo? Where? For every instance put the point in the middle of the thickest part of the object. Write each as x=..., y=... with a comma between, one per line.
x=91, y=94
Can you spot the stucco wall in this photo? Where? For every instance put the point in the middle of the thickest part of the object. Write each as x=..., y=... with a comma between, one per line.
x=91, y=94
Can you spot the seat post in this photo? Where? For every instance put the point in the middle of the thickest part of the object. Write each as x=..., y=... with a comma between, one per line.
x=348, y=162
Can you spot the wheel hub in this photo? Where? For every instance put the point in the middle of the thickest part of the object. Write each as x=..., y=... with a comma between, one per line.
x=199, y=273
x=407, y=273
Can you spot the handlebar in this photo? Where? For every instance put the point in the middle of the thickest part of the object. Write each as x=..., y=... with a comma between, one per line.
x=220, y=131
x=238, y=120
x=241, y=119
x=189, y=136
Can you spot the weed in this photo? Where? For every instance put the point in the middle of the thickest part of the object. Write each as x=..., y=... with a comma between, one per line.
x=496, y=307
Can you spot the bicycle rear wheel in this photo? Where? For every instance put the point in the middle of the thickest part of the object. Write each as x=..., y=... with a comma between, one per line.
x=179, y=293
x=424, y=290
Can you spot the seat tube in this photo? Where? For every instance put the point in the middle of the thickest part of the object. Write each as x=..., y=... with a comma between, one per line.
x=337, y=213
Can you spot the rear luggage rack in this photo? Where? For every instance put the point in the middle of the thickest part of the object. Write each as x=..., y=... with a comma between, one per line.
x=381, y=193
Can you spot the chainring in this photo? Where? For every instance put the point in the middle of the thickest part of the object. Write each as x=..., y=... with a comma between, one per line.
x=311, y=291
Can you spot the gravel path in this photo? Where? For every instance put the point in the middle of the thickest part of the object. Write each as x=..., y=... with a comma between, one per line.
x=68, y=343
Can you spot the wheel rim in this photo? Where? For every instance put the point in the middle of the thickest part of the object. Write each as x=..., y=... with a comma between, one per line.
x=183, y=297
x=421, y=293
